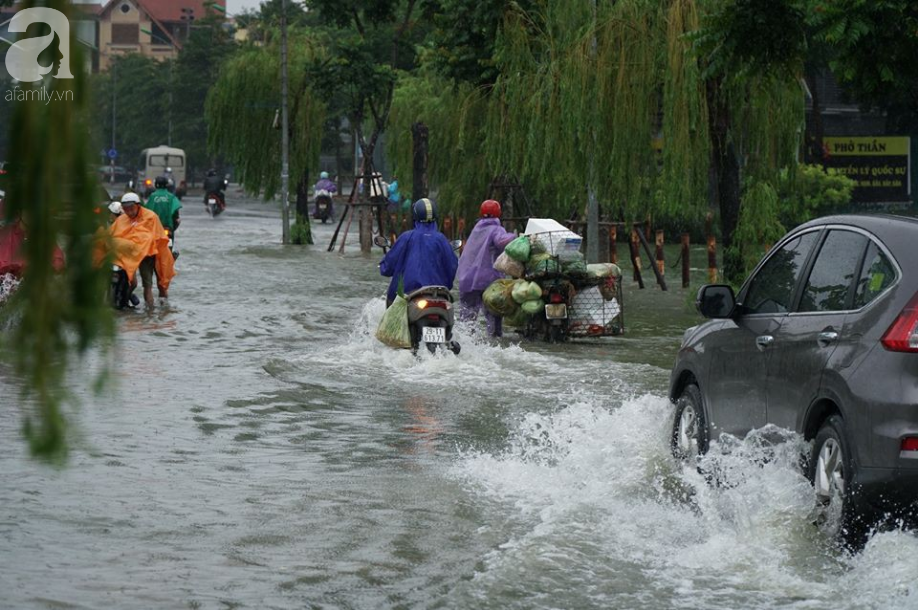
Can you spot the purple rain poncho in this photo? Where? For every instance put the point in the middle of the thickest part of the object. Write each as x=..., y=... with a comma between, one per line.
x=485, y=244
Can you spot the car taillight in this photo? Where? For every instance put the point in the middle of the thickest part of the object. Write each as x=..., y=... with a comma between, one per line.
x=902, y=335
x=556, y=298
x=910, y=443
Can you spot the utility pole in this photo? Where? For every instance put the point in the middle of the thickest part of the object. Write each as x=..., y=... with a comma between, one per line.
x=285, y=144
x=114, y=100
x=592, y=224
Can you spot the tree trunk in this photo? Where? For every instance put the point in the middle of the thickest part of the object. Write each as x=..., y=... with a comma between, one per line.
x=302, y=196
x=814, y=128
x=419, y=188
x=725, y=176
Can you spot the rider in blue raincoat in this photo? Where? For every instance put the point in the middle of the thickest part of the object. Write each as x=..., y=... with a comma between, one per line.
x=421, y=256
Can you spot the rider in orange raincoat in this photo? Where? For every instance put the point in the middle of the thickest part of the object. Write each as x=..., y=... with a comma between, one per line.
x=139, y=241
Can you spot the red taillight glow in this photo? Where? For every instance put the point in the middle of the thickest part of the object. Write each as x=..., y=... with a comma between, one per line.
x=556, y=298
x=910, y=443
x=902, y=334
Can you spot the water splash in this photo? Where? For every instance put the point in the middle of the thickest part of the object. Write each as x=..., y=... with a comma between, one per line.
x=597, y=486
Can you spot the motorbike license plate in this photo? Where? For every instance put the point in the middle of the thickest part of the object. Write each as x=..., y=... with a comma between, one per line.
x=556, y=311
x=433, y=334
x=212, y=201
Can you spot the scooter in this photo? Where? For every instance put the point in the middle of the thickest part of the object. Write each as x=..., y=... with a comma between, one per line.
x=430, y=319
x=323, y=206
x=122, y=292
x=430, y=312
x=170, y=233
x=553, y=325
x=215, y=203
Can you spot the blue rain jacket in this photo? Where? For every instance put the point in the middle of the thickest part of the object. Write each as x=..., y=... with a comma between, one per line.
x=422, y=257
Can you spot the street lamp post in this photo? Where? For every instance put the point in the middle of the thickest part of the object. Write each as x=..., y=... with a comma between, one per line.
x=114, y=101
x=171, y=69
x=187, y=17
x=285, y=143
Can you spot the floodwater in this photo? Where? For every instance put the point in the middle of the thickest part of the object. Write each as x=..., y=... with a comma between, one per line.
x=262, y=450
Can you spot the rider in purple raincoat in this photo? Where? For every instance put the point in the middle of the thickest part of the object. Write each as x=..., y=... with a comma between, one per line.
x=421, y=256
x=476, y=265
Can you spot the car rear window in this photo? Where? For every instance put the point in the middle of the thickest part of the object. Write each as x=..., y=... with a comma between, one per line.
x=772, y=288
x=833, y=272
x=877, y=275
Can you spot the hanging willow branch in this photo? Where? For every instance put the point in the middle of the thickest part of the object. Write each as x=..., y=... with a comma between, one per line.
x=57, y=314
x=241, y=109
x=581, y=99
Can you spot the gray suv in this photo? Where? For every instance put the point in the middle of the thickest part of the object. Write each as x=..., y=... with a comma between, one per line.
x=822, y=339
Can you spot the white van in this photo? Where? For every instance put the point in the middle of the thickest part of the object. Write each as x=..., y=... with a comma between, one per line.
x=154, y=162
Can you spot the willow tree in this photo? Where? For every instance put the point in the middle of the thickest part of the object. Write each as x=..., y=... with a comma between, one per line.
x=584, y=88
x=242, y=119
x=370, y=45
x=57, y=314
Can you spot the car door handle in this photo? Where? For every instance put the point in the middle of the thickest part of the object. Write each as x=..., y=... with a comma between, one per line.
x=764, y=342
x=824, y=339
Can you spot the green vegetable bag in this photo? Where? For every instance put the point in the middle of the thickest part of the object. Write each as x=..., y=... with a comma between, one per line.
x=498, y=298
x=518, y=249
x=393, y=327
x=533, y=307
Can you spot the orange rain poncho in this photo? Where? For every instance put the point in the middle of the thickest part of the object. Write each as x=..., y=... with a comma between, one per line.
x=134, y=240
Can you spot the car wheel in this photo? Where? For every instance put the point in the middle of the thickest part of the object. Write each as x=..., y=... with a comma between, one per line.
x=690, y=431
x=830, y=471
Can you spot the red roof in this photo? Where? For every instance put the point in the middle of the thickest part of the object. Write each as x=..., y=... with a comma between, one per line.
x=171, y=10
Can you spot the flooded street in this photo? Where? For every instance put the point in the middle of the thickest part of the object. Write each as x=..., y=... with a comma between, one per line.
x=260, y=449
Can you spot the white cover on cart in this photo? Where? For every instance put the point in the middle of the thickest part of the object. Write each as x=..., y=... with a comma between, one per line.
x=554, y=236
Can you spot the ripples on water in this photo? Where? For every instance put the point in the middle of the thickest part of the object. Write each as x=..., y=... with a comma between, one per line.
x=266, y=451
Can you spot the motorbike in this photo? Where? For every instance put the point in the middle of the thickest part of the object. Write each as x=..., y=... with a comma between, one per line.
x=215, y=203
x=323, y=206
x=430, y=319
x=430, y=313
x=553, y=323
x=122, y=292
x=170, y=233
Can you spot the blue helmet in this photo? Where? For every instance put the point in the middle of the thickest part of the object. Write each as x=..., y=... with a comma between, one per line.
x=424, y=210
x=323, y=175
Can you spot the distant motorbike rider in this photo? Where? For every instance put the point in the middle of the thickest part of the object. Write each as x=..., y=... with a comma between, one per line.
x=165, y=204
x=140, y=242
x=476, y=265
x=421, y=256
x=214, y=185
x=325, y=188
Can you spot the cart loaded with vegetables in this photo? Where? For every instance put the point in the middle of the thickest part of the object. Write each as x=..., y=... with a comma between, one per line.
x=551, y=293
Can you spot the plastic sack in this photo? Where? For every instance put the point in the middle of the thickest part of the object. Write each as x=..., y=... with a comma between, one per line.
x=532, y=307
x=526, y=291
x=597, y=270
x=507, y=265
x=517, y=320
x=518, y=249
x=575, y=268
x=393, y=327
x=498, y=298
x=544, y=267
x=607, y=288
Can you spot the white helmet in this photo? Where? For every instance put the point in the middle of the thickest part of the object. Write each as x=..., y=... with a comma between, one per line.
x=130, y=198
x=115, y=207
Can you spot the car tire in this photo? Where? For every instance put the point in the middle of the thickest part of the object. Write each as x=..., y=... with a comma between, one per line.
x=689, y=439
x=830, y=471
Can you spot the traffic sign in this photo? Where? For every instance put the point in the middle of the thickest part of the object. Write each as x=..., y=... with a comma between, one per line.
x=112, y=153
